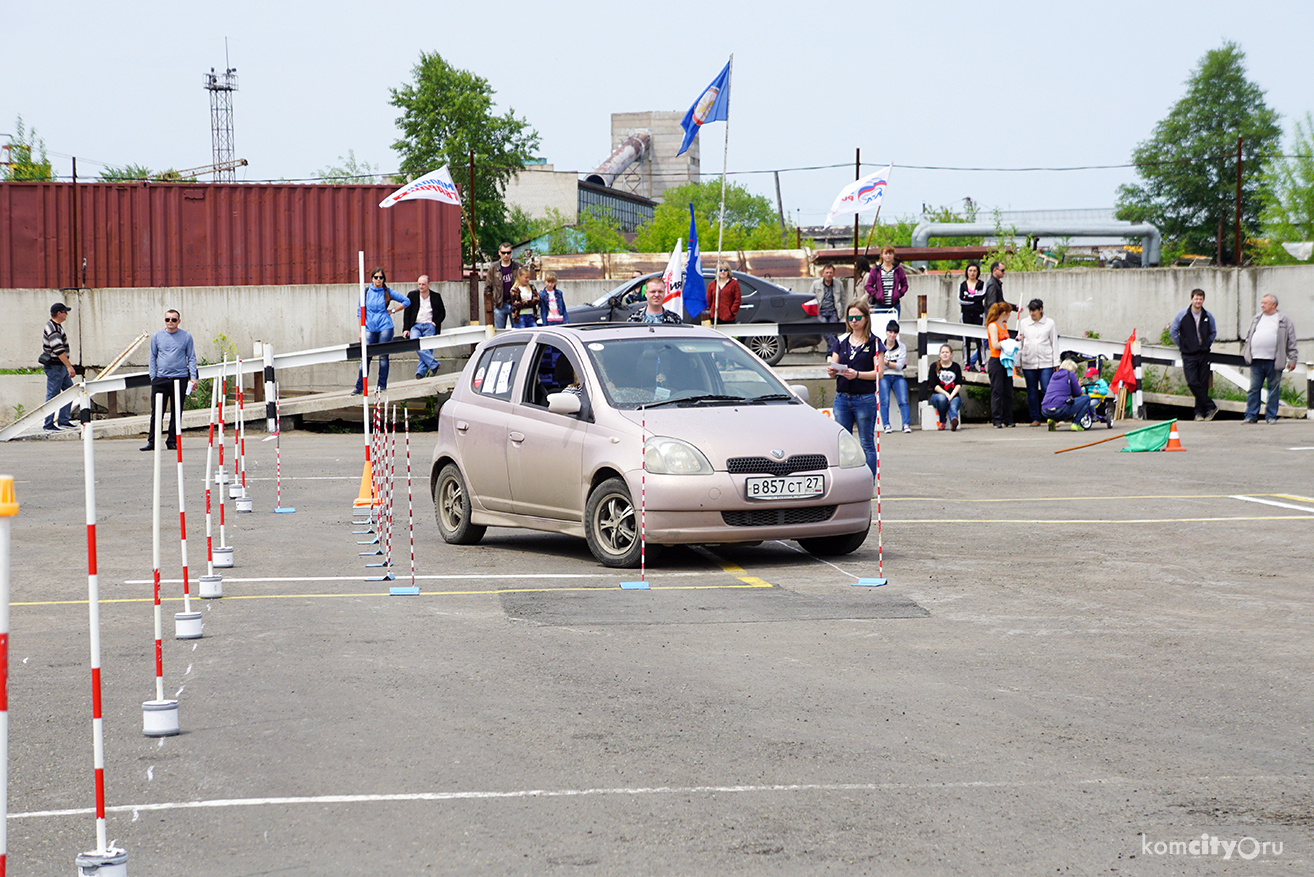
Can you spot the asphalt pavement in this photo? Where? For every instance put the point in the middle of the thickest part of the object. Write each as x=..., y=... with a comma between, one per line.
x=1082, y=663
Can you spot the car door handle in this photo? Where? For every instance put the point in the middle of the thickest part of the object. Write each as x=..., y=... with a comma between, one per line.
x=517, y=436
x=462, y=426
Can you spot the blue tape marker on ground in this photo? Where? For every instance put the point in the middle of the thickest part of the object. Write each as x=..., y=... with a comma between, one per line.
x=285, y=511
x=635, y=586
x=411, y=591
x=870, y=583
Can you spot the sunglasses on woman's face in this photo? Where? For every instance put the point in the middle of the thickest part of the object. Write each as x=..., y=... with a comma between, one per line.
x=852, y=319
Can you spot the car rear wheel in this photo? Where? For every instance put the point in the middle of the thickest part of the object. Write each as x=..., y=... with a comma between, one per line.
x=768, y=348
x=611, y=524
x=451, y=508
x=834, y=546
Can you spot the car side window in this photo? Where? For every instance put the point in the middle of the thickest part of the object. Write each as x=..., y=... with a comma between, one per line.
x=553, y=372
x=496, y=373
x=634, y=295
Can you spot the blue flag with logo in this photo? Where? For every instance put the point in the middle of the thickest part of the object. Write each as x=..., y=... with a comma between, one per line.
x=695, y=291
x=713, y=105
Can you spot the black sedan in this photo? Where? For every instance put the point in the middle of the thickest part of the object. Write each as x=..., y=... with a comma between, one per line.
x=761, y=301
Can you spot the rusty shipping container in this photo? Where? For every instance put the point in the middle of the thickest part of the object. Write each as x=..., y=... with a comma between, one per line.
x=217, y=234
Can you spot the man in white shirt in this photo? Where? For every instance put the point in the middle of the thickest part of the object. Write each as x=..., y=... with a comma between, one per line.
x=424, y=316
x=1270, y=345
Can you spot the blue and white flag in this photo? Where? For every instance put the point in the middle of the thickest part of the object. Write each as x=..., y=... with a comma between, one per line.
x=437, y=186
x=860, y=195
x=713, y=105
x=695, y=293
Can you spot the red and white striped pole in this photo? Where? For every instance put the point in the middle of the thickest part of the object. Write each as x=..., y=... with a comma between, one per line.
x=159, y=716
x=239, y=435
x=212, y=586
x=392, y=481
x=410, y=514
x=93, y=618
x=187, y=624
x=880, y=554
x=9, y=509
x=364, y=371
x=642, y=583
x=223, y=555
x=278, y=453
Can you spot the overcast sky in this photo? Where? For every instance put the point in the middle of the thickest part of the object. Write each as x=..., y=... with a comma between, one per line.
x=950, y=85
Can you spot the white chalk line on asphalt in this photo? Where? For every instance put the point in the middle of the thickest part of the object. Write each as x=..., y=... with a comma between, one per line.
x=653, y=790
x=1281, y=505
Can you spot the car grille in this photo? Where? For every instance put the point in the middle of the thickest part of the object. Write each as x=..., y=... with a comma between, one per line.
x=775, y=517
x=767, y=466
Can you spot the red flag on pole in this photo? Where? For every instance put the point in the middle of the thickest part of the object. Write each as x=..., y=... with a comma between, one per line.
x=1125, y=373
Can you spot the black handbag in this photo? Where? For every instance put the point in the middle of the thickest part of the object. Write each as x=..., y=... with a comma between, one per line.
x=45, y=359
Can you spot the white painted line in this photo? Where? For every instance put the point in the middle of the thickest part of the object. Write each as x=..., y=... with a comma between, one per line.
x=454, y=578
x=1281, y=505
x=659, y=790
x=1301, y=449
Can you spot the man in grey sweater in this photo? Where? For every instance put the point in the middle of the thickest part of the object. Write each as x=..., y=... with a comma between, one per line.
x=173, y=360
x=1270, y=347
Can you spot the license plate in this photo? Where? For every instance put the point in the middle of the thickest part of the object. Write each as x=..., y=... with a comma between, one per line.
x=789, y=487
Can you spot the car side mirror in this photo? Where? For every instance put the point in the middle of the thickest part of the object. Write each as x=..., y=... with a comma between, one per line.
x=563, y=403
x=801, y=392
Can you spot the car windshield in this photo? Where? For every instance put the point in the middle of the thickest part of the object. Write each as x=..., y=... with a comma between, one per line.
x=685, y=371
x=633, y=294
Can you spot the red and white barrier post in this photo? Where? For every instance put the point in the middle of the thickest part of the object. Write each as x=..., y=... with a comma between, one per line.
x=9, y=509
x=212, y=586
x=642, y=583
x=278, y=456
x=186, y=624
x=223, y=555
x=159, y=716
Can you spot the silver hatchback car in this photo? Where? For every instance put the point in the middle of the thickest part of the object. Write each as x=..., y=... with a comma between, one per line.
x=579, y=429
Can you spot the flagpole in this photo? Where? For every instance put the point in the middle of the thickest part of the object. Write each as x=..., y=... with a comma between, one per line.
x=725, y=156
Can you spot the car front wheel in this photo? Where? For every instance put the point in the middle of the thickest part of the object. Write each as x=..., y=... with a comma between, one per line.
x=611, y=524
x=834, y=546
x=768, y=348
x=451, y=508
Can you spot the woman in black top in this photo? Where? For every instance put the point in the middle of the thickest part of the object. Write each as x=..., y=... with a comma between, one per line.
x=971, y=301
x=853, y=366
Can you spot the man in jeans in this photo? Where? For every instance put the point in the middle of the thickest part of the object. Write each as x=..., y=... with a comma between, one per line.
x=59, y=371
x=173, y=362
x=1270, y=344
x=424, y=317
x=1193, y=331
x=829, y=294
x=497, y=286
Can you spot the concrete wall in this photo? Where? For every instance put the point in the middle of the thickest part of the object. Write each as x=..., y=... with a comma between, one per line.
x=538, y=189
x=662, y=169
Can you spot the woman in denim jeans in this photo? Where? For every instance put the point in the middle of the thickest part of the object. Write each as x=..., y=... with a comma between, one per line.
x=894, y=357
x=853, y=366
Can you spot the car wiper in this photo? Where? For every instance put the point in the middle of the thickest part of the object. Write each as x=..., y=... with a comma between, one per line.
x=695, y=400
x=771, y=397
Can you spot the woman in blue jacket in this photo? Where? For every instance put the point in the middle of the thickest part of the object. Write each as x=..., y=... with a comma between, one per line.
x=379, y=301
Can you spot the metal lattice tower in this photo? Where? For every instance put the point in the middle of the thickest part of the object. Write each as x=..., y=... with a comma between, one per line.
x=221, y=87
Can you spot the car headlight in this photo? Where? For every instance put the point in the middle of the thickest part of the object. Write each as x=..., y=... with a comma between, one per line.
x=669, y=456
x=851, y=454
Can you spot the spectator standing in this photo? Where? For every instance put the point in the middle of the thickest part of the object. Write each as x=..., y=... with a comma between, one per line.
x=1270, y=345
x=1038, y=354
x=1193, y=331
x=497, y=285
x=829, y=294
x=887, y=283
x=971, y=303
x=723, y=295
x=423, y=318
x=894, y=357
x=1001, y=379
x=653, y=312
x=173, y=360
x=381, y=302
x=1065, y=399
x=994, y=288
x=551, y=303
x=59, y=370
x=854, y=366
x=524, y=299
x=947, y=395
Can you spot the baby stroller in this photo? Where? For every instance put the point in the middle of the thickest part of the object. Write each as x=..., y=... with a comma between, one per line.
x=1101, y=400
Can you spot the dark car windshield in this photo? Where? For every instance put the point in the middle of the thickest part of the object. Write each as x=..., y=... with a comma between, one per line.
x=644, y=371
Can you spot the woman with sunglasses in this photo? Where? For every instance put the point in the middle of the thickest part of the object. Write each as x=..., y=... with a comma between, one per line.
x=853, y=366
x=379, y=301
x=723, y=295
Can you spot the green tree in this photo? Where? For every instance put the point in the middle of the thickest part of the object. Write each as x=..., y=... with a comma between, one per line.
x=1189, y=163
x=1289, y=203
x=27, y=156
x=351, y=170
x=751, y=222
x=445, y=113
x=595, y=231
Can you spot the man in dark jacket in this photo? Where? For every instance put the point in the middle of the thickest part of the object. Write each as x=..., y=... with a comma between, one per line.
x=424, y=317
x=501, y=277
x=994, y=290
x=1194, y=331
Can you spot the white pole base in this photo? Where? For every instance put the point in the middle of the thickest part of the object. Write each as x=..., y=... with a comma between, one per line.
x=244, y=503
x=211, y=587
x=187, y=625
x=236, y=491
x=112, y=862
x=223, y=557
x=159, y=718
x=220, y=476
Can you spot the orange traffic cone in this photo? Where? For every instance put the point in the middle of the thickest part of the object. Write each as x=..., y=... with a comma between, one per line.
x=366, y=497
x=1174, y=444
